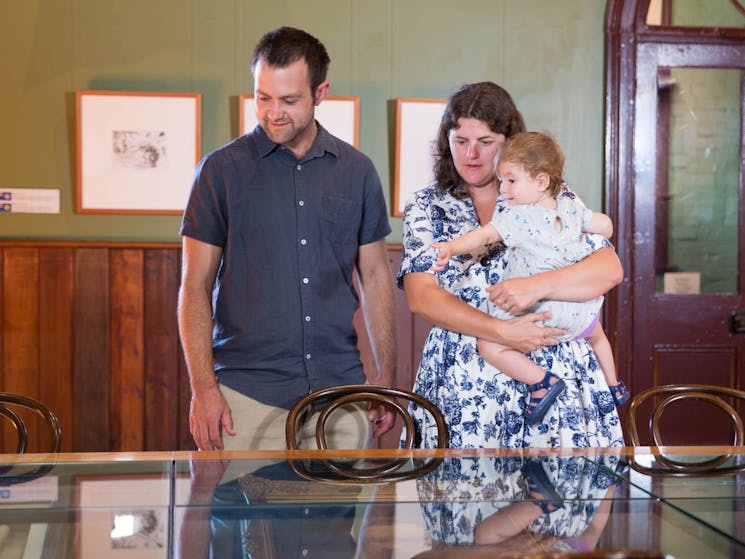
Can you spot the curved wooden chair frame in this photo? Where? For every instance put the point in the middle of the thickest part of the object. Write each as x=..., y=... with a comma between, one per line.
x=334, y=397
x=7, y=402
x=19, y=425
x=669, y=394
x=337, y=396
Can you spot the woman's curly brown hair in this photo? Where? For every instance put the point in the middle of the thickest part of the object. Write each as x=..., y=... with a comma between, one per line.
x=484, y=101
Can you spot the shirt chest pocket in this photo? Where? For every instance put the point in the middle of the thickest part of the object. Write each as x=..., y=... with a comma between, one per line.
x=340, y=219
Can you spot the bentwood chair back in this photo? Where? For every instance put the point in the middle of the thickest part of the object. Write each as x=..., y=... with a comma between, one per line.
x=721, y=397
x=12, y=404
x=328, y=400
x=334, y=397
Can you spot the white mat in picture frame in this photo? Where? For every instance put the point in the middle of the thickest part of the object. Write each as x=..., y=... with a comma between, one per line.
x=339, y=115
x=136, y=151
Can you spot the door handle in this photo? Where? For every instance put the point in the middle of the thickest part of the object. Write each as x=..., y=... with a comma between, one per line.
x=737, y=322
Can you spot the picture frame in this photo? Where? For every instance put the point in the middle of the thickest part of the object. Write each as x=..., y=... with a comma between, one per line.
x=417, y=123
x=136, y=151
x=340, y=115
x=128, y=516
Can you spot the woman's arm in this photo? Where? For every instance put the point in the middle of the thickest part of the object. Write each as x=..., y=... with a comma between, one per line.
x=428, y=300
x=589, y=278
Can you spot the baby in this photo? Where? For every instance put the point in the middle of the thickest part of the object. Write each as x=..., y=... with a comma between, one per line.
x=542, y=225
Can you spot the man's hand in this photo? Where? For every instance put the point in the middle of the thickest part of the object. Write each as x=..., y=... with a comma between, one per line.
x=207, y=473
x=383, y=418
x=209, y=416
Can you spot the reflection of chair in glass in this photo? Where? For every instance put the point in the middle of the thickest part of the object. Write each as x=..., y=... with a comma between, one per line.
x=12, y=408
x=330, y=399
x=718, y=396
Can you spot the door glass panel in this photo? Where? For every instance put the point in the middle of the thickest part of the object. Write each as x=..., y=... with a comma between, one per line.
x=697, y=13
x=698, y=166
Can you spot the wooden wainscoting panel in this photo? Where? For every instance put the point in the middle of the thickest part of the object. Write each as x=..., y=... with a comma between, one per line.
x=127, y=406
x=91, y=363
x=20, y=331
x=90, y=329
x=3, y=294
x=20, y=321
x=56, y=336
x=404, y=324
x=185, y=440
x=161, y=350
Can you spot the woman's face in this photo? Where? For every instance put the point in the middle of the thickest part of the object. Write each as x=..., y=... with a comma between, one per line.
x=474, y=147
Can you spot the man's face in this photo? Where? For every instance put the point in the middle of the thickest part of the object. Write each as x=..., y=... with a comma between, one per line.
x=285, y=105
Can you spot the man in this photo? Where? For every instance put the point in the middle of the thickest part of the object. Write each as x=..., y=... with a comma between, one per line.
x=276, y=222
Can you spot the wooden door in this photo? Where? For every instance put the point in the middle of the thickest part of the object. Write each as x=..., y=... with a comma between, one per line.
x=674, y=186
x=688, y=232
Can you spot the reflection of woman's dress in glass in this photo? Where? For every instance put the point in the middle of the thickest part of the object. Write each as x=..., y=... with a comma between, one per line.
x=584, y=486
x=463, y=493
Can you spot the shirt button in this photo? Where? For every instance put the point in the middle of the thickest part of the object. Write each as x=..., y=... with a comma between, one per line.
x=305, y=552
x=301, y=203
x=303, y=242
x=299, y=167
x=307, y=319
x=307, y=355
x=305, y=280
x=306, y=511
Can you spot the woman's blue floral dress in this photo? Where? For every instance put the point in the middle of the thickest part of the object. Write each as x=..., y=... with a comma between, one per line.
x=463, y=492
x=483, y=407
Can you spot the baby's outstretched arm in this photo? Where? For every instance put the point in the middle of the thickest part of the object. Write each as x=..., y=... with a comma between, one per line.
x=470, y=242
x=600, y=224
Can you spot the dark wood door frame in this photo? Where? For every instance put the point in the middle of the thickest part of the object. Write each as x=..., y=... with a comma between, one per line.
x=626, y=33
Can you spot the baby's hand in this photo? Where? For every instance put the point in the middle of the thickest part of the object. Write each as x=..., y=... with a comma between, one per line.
x=443, y=255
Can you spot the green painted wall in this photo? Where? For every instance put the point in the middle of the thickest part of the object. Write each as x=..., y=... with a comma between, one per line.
x=548, y=54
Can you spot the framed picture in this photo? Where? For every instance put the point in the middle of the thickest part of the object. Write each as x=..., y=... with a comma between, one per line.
x=136, y=151
x=128, y=516
x=417, y=122
x=338, y=115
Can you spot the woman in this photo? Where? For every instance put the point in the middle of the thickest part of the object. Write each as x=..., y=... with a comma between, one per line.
x=483, y=407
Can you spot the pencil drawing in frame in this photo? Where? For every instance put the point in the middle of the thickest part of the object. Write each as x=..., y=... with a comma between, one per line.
x=417, y=123
x=128, y=515
x=136, y=151
x=338, y=114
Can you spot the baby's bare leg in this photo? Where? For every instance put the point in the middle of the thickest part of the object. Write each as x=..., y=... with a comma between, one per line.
x=604, y=353
x=544, y=386
x=511, y=362
x=506, y=523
